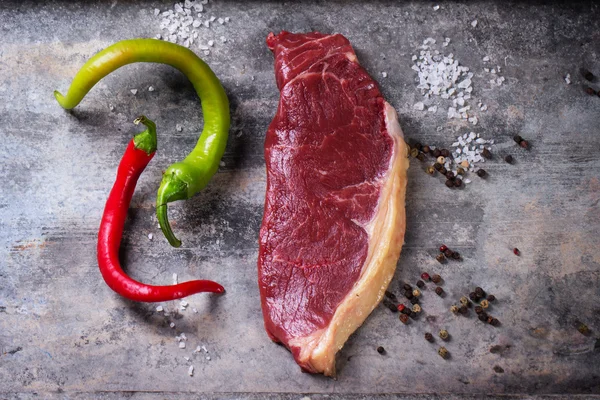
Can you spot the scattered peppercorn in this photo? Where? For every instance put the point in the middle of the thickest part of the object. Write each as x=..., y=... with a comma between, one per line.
x=428, y=337
x=416, y=292
x=483, y=317
x=509, y=159
x=590, y=91
x=421, y=157
x=444, y=334
x=414, y=300
x=445, y=153
x=406, y=311
x=498, y=369
x=478, y=309
x=463, y=310
x=481, y=173
x=408, y=294
x=456, y=255
x=439, y=291
x=430, y=170
x=443, y=248
x=425, y=276
x=473, y=296
x=464, y=301
x=420, y=284
x=517, y=138
x=449, y=183
x=450, y=175
x=436, y=153
x=416, y=308
x=380, y=350
x=441, y=160
x=413, y=315
x=426, y=149
x=495, y=322
x=436, y=279
x=524, y=144
x=437, y=166
x=479, y=292
x=454, y=309
x=587, y=74
x=443, y=352
x=460, y=171
x=516, y=251
x=401, y=307
x=414, y=152
x=491, y=297
x=486, y=153
x=406, y=286
x=441, y=258
x=390, y=295
x=404, y=318
x=484, y=304
x=583, y=328
x=490, y=319
x=443, y=170
x=457, y=182
x=418, y=146
x=391, y=306
x=448, y=253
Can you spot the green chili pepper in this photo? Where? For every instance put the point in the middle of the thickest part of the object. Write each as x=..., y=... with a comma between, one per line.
x=183, y=179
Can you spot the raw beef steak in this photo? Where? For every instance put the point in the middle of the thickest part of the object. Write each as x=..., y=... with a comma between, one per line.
x=334, y=219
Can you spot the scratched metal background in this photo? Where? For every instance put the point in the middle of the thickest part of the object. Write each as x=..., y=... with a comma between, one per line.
x=64, y=334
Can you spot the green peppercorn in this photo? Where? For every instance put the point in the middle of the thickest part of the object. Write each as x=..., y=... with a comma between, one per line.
x=426, y=149
x=484, y=304
x=414, y=300
x=486, y=153
x=444, y=334
x=443, y=352
x=416, y=308
x=439, y=291
x=406, y=287
x=380, y=350
x=583, y=328
x=430, y=170
x=428, y=337
x=460, y=171
x=436, y=279
x=436, y=153
x=414, y=152
x=441, y=258
x=464, y=301
x=491, y=297
x=404, y=318
x=421, y=157
x=437, y=166
x=449, y=183
x=454, y=309
x=478, y=309
x=457, y=182
x=479, y=292
x=509, y=159
x=420, y=284
x=463, y=309
x=517, y=138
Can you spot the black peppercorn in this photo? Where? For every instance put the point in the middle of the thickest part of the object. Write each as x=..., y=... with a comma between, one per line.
x=478, y=309
x=483, y=317
x=463, y=310
x=489, y=319
x=509, y=159
x=473, y=296
x=517, y=138
x=426, y=149
x=406, y=311
x=456, y=255
x=436, y=153
x=480, y=292
x=498, y=369
x=439, y=291
x=429, y=337
x=421, y=157
x=413, y=315
x=448, y=253
x=390, y=296
x=583, y=328
x=587, y=74
x=494, y=322
x=441, y=258
x=414, y=300
x=404, y=318
x=437, y=166
x=380, y=350
x=481, y=173
x=457, y=182
x=486, y=153
x=491, y=297
x=436, y=279
x=449, y=183
x=420, y=284
x=590, y=91
x=406, y=286
x=445, y=153
x=418, y=146
x=443, y=170
x=408, y=294
x=450, y=175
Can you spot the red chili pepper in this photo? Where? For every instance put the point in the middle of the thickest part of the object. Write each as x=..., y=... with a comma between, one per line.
x=139, y=152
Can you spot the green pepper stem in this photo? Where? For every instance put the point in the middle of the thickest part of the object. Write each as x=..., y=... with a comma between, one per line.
x=171, y=189
x=145, y=140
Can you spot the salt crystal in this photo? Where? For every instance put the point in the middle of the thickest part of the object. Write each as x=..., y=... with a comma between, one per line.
x=208, y=358
x=493, y=71
x=486, y=59
x=198, y=7
x=226, y=19
x=134, y=91
x=111, y=107
x=178, y=127
x=204, y=348
x=384, y=74
x=419, y=106
x=467, y=180
x=455, y=144
x=474, y=23
x=191, y=370
x=484, y=107
x=221, y=21
x=156, y=12
x=464, y=84
x=198, y=349
x=414, y=58
x=207, y=23
x=182, y=345
x=212, y=18
x=178, y=8
x=473, y=120
x=186, y=358
x=206, y=52
x=460, y=101
x=467, y=96
x=174, y=279
x=435, y=8
x=486, y=69
x=432, y=109
x=196, y=23
x=211, y=43
x=194, y=310
x=159, y=309
x=172, y=325
x=223, y=39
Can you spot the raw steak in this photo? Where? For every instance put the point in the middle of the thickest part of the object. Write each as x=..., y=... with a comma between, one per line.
x=334, y=218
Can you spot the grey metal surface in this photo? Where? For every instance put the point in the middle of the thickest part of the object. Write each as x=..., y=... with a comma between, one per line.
x=64, y=334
